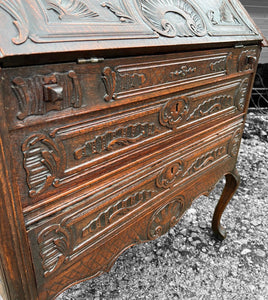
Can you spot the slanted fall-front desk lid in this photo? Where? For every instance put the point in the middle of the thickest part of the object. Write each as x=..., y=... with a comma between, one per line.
x=58, y=26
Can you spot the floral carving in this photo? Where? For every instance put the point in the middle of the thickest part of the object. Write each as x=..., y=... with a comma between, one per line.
x=188, y=21
x=119, y=12
x=182, y=72
x=121, y=136
x=71, y=9
x=174, y=112
x=166, y=217
x=41, y=162
x=16, y=10
x=55, y=246
x=168, y=176
x=40, y=94
x=114, y=212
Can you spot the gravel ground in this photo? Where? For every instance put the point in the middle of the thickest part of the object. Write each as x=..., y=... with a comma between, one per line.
x=187, y=262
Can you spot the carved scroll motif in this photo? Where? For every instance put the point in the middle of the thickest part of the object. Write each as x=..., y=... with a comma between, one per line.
x=121, y=136
x=124, y=81
x=119, y=12
x=55, y=246
x=16, y=10
x=170, y=174
x=205, y=160
x=160, y=14
x=42, y=162
x=211, y=106
x=114, y=212
x=69, y=10
x=166, y=217
x=40, y=94
x=174, y=112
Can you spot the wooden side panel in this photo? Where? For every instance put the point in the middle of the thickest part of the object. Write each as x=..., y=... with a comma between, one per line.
x=258, y=10
x=16, y=270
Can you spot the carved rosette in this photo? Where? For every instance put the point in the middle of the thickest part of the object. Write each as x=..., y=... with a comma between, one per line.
x=170, y=174
x=16, y=10
x=242, y=95
x=40, y=94
x=174, y=112
x=166, y=217
x=160, y=15
x=55, y=246
x=42, y=162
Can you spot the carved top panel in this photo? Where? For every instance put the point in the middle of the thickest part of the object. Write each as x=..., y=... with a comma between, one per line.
x=150, y=22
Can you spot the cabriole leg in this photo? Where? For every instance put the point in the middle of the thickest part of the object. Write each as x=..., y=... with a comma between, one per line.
x=231, y=185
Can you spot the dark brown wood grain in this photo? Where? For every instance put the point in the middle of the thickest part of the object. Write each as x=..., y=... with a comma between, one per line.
x=114, y=118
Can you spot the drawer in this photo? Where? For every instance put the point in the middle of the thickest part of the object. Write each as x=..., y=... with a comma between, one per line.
x=89, y=151
x=101, y=215
x=39, y=94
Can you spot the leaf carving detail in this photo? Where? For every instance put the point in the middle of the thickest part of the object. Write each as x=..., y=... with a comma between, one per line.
x=71, y=9
x=123, y=17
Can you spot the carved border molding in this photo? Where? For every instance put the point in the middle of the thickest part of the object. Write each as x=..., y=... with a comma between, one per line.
x=189, y=22
x=124, y=81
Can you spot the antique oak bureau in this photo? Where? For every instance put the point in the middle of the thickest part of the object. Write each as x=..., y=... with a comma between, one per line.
x=115, y=116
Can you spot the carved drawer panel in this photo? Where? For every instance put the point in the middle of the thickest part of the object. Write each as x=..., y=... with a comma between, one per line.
x=64, y=239
x=90, y=150
x=47, y=93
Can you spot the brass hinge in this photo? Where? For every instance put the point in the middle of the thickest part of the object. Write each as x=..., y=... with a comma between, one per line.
x=91, y=60
x=239, y=46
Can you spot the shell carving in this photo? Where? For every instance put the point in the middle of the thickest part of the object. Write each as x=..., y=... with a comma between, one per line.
x=172, y=17
x=71, y=9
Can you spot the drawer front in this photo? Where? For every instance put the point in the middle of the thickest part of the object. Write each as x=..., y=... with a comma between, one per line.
x=89, y=151
x=63, y=241
x=35, y=95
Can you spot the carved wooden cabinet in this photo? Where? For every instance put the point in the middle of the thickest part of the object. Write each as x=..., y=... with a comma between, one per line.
x=115, y=116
